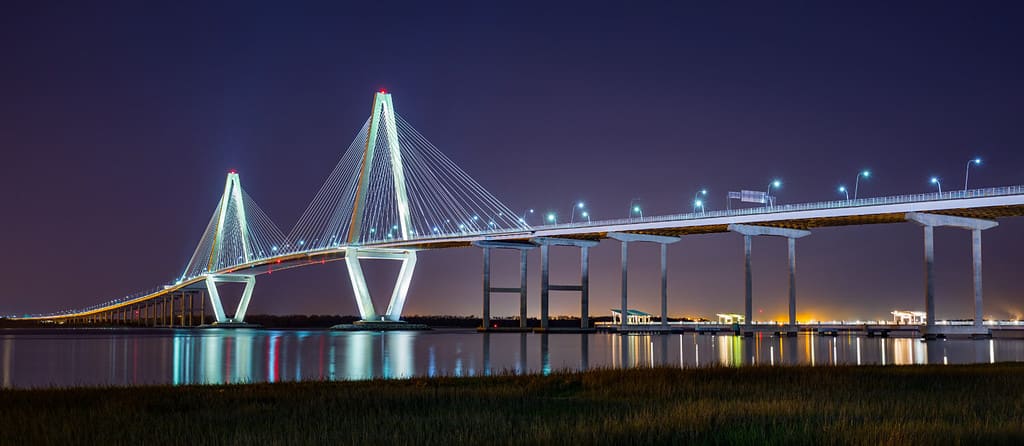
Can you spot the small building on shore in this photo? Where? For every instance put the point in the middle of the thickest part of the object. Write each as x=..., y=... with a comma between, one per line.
x=632, y=317
x=909, y=317
x=730, y=318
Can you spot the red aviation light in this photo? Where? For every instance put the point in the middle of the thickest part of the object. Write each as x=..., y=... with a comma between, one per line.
x=384, y=90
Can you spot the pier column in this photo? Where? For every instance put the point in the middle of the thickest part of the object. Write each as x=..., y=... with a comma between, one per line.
x=624, y=308
x=545, y=280
x=929, y=275
x=625, y=238
x=585, y=287
x=975, y=225
x=748, y=299
x=486, y=317
x=792, y=281
x=750, y=231
x=488, y=289
x=546, y=287
x=976, y=255
x=522, y=289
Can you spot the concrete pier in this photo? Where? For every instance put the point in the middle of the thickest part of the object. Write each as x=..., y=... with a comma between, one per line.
x=750, y=231
x=625, y=238
x=523, y=249
x=929, y=222
x=546, y=287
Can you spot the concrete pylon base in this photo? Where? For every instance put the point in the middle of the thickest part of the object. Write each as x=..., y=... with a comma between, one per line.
x=955, y=331
x=380, y=326
x=230, y=324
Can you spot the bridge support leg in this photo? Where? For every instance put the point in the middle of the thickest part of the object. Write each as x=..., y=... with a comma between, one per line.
x=625, y=238
x=748, y=297
x=522, y=290
x=545, y=284
x=975, y=225
x=546, y=287
x=362, y=292
x=585, y=287
x=750, y=231
x=219, y=316
x=929, y=276
x=486, y=317
x=792, y=281
x=976, y=256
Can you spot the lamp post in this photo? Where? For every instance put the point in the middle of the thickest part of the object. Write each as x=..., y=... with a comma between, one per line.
x=698, y=204
x=697, y=199
x=523, y=218
x=935, y=181
x=967, y=173
x=552, y=218
x=586, y=214
x=768, y=194
x=856, y=184
x=634, y=208
x=572, y=212
x=843, y=190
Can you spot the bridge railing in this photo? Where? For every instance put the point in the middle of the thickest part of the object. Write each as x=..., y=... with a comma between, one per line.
x=822, y=205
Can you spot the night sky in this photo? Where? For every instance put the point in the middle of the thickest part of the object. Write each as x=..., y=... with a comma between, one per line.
x=118, y=123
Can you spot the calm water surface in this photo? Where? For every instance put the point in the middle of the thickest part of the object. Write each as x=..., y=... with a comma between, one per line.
x=116, y=357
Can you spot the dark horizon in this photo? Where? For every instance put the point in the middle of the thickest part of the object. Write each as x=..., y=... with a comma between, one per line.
x=119, y=123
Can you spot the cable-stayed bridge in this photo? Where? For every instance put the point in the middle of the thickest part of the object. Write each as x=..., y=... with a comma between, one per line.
x=393, y=193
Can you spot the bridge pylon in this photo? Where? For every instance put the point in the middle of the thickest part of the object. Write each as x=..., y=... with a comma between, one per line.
x=382, y=124
x=238, y=236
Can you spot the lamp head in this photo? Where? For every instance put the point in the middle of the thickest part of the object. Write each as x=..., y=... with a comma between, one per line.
x=977, y=161
x=636, y=208
x=703, y=191
x=935, y=180
x=579, y=205
x=866, y=173
x=698, y=203
x=842, y=188
x=776, y=183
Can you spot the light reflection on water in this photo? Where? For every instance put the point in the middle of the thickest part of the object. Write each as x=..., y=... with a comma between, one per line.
x=112, y=357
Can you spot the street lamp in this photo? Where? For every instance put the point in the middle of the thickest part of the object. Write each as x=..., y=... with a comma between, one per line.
x=698, y=204
x=843, y=190
x=572, y=213
x=634, y=208
x=768, y=194
x=967, y=174
x=552, y=218
x=856, y=184
x=935, y=181
x=523, y=218
x=586, y=214
x=697, y=199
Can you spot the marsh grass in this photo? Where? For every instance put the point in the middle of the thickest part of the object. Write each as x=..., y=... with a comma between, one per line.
x=751, y=405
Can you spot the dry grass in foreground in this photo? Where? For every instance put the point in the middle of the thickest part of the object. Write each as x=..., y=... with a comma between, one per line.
x=755, y=405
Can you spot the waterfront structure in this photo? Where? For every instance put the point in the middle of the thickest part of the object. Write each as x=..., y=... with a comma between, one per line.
x=633, y=317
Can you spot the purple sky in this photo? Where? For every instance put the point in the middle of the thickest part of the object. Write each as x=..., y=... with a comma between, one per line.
x=118, y=123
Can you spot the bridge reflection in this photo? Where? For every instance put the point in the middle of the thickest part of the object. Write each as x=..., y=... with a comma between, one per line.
x=244, y=356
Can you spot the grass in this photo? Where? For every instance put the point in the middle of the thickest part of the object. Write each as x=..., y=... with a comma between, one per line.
x=752, y=405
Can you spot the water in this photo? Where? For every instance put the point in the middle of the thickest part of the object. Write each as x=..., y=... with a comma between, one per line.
x=125, y=358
